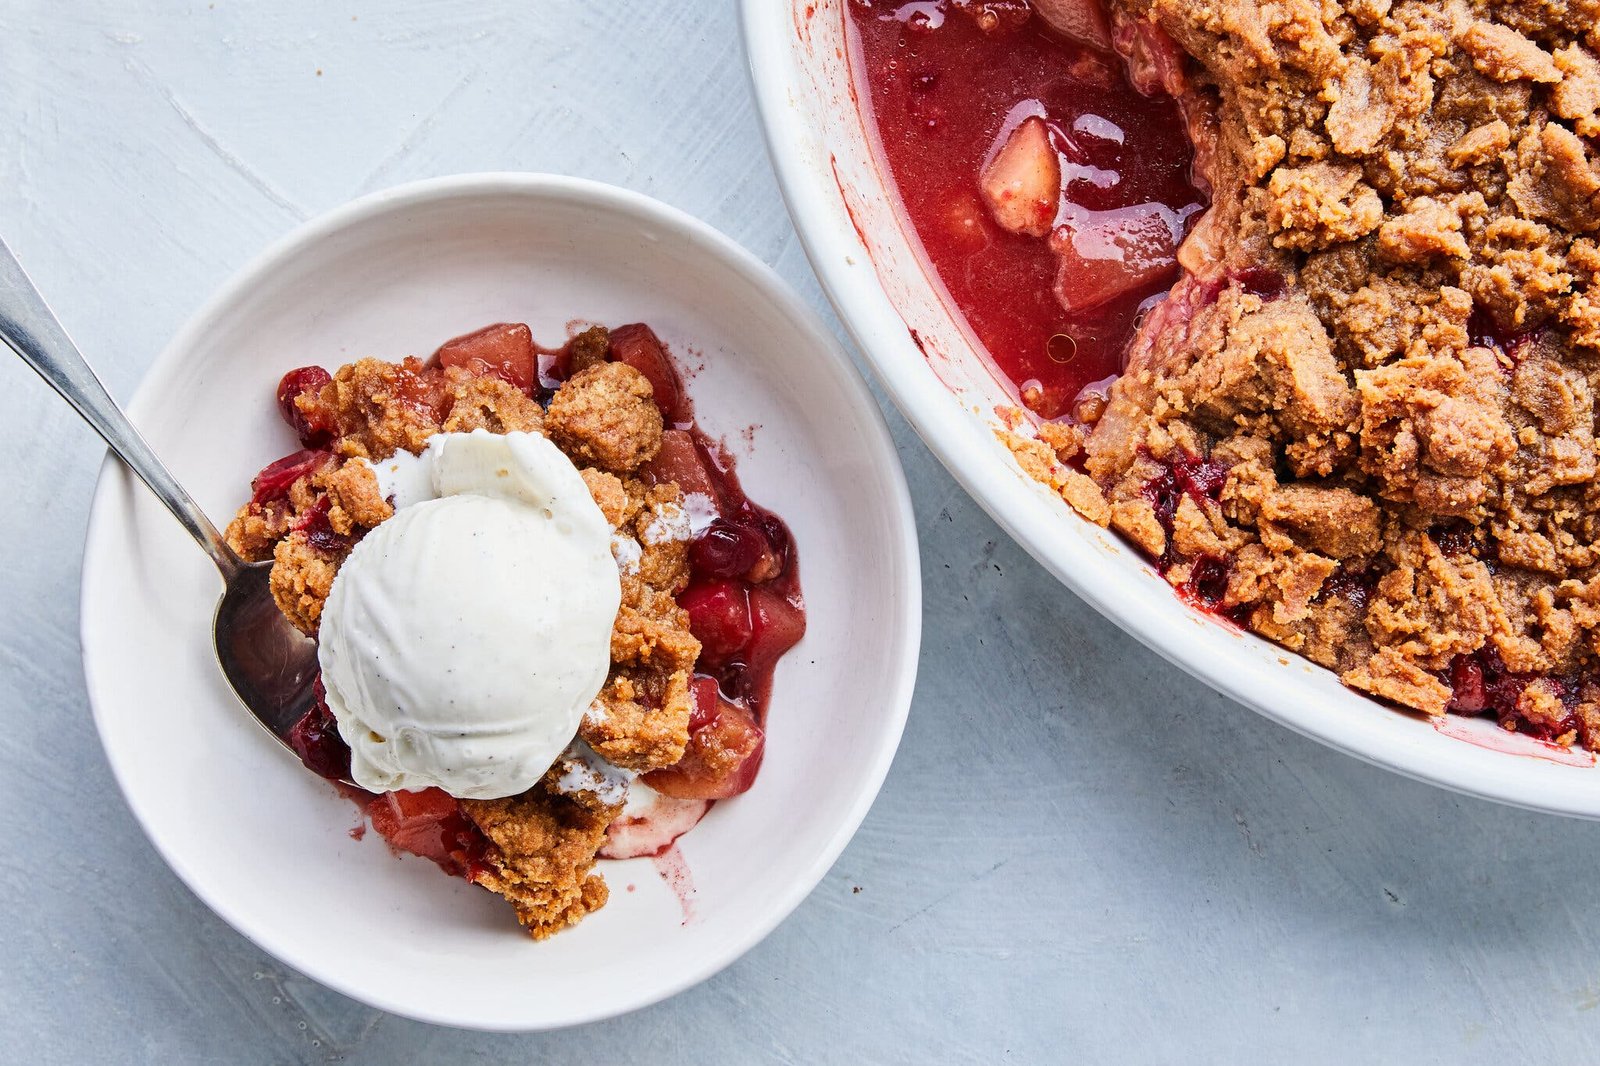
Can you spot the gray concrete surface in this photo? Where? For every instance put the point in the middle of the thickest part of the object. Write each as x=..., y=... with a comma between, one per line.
x=1080, y=855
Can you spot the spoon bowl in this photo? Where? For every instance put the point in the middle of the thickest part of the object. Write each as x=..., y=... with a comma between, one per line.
x=270, y=665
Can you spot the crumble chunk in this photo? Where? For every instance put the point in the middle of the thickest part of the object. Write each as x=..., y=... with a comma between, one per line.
x=491, y=404
x=610, y=494
x=379, y=408
x=544, y=855
x=355, y=498
x=640, y=720
x=1043, y=458
x=605, y=416
x=1320, y=204
x=302, y=576
x=257, y=528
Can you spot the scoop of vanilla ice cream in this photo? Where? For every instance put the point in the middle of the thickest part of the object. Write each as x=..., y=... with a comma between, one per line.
x=464, y=638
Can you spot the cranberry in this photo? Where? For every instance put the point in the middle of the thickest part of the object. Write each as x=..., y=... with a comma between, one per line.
x=551, y=369
x=1482, y=330
x=310, y=428
x=1164, y=495
x=1485, y=331
x=1201, y=480
x=319, y=531
x=1482, y=684
x=1264, y=282
x=726, y=550
x=1209, y=580
x=315, y=738
x=1200, y=477
x=1353, y=586
x=777, y=536
x=719, y=617
x=1455, y=538
x=276, y=478
x=1183, y=475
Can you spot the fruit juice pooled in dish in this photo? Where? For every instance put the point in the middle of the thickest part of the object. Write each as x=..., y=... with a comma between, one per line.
x=1048, y=196
x=548, y=616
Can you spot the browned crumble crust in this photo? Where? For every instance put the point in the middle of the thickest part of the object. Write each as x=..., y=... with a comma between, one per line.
x=604, y=417
x=491, y=404
x=257, y=528
x=356, y=501
x=589, y=348
x=544, y=854
x=1386, y=343
x=302, y=576
x=544, y=840
x=641, y=719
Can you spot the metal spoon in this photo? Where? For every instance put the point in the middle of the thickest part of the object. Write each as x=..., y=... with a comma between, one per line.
x=270, y=664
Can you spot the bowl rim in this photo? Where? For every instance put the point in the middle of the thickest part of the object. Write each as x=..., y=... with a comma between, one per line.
x=772, y=31
x=904, y=617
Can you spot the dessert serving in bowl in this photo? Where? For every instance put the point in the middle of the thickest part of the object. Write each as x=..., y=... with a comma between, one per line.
x=553, y=566
x=1269, y=328
x=547, y=616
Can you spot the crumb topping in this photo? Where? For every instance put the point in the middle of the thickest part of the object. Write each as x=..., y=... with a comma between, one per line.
x=1362, y=424
x=543, y=855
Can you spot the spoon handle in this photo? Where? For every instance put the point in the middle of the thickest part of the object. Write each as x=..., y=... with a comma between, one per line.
x=30, y=329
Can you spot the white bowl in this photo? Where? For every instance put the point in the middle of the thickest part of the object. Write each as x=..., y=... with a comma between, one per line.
x=848, y=218
x=266, y=844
